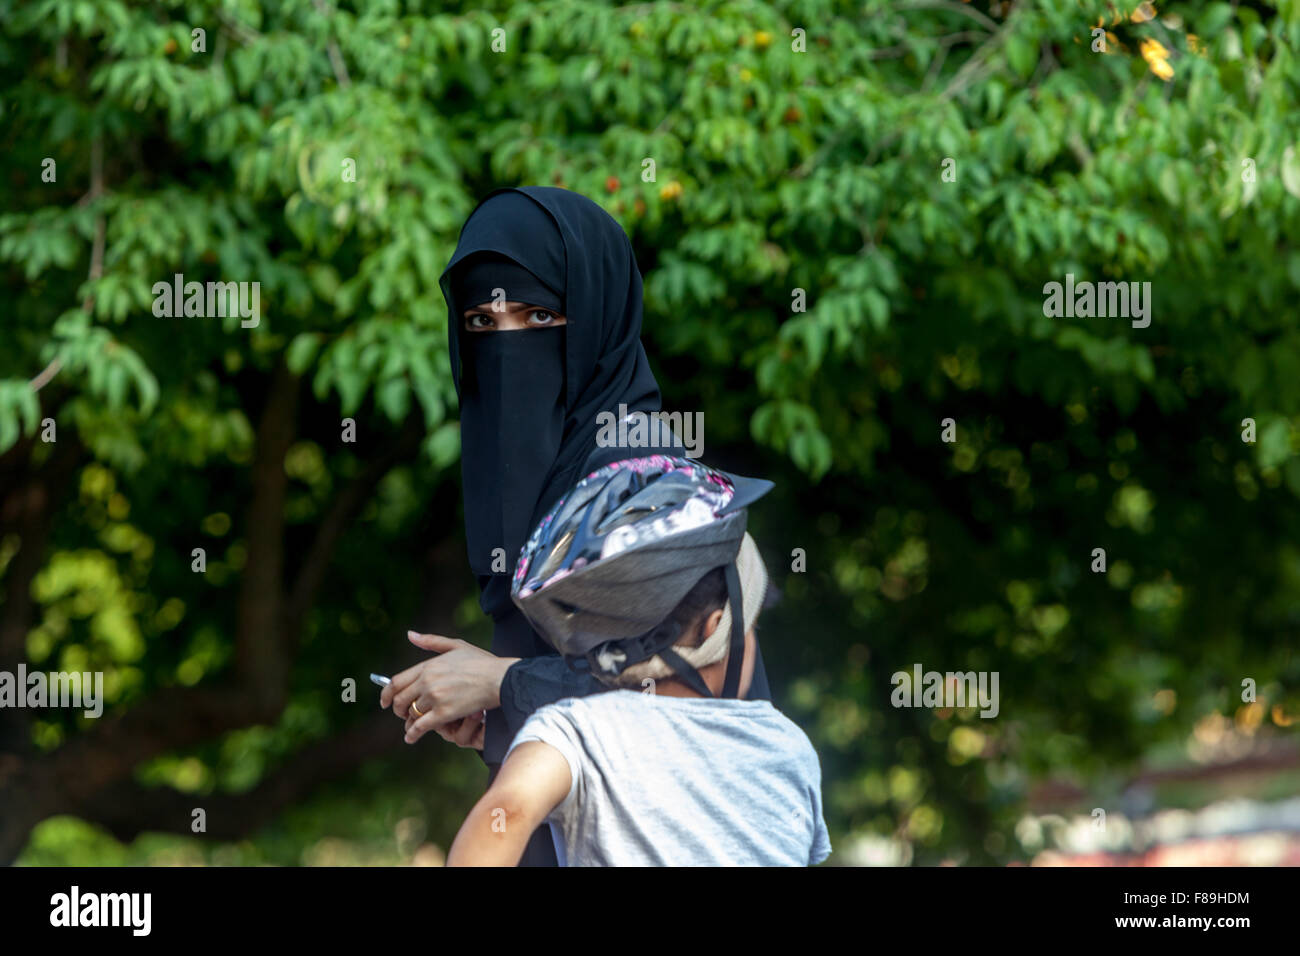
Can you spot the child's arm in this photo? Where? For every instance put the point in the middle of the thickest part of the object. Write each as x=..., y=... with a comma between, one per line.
x=533, y=781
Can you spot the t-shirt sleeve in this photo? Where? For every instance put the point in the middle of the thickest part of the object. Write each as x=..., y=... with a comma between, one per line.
x=821, y=847
x=551, y=725
x=821, y=843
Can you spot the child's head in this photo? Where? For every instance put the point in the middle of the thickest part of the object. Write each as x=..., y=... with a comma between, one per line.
x=636, y=569
x=705, y=619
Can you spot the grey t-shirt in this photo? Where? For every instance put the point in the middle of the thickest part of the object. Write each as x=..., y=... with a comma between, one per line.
x=682, y=781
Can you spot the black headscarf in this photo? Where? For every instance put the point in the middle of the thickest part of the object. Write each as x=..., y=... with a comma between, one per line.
x=481, y=276
x=529, y=398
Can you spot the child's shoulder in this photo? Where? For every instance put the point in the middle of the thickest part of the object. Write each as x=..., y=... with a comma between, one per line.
x=576, y=709
x=603, y=702
x=751, y=717
x=579, y=717
x=755, y=716
x=633, y=704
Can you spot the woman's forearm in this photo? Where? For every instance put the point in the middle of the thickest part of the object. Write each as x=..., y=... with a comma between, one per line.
x=533, y=682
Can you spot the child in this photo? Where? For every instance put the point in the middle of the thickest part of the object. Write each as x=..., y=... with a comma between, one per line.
x=637, y=571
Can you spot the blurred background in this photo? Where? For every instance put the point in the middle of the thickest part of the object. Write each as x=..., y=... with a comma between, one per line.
x=845, y=214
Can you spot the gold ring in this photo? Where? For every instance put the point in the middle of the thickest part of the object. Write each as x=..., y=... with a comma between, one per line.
x=416, y=709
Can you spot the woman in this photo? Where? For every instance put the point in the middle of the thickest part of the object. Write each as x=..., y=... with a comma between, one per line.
x=544, y=331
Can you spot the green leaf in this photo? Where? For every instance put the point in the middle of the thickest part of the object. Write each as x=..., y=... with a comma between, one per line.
x=443, y=446
x=1291, y=170
x=394, y=398
x=301, y=351
x=1022, y=53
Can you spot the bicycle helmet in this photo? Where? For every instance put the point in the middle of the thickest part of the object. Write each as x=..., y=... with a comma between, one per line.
x=603, y=571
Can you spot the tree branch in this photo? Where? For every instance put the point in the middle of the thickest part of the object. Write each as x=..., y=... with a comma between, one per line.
x=244, y=34
x=345, y=507
x=261, y=647
x=980, y=18
x=977, y=67
x=28, y=511
x=90, y=776
x=46, y=375
x=336, y=58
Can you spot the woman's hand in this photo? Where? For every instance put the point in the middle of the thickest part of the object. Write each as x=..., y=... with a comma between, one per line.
x=465, y=732
x=461, y=681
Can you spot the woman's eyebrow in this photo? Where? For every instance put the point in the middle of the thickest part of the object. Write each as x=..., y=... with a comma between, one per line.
x=491, y=308
x=488, y=310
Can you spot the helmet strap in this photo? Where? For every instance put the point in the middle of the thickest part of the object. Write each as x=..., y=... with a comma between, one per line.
x=666, y=633
x=686, y=672
x=737, y=654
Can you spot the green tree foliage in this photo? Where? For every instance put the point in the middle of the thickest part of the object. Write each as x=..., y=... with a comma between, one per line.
x=913, y=171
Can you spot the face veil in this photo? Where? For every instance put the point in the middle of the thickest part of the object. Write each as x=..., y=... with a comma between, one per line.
x=530, y=398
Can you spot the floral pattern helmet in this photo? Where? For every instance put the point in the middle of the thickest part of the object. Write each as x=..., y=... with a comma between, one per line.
x=607, y=565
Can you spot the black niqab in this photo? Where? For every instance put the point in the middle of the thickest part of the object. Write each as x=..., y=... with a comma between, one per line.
x=530, y=398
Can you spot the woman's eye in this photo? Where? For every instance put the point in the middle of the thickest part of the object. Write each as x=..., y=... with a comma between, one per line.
x=474, y=323
x=545, y=316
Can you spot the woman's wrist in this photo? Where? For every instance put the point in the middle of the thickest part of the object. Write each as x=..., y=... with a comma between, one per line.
x=504, y=664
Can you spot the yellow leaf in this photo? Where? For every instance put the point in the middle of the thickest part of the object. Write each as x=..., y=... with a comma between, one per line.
x=1144, y=12
x=1153, y=50
x=1162, y=69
